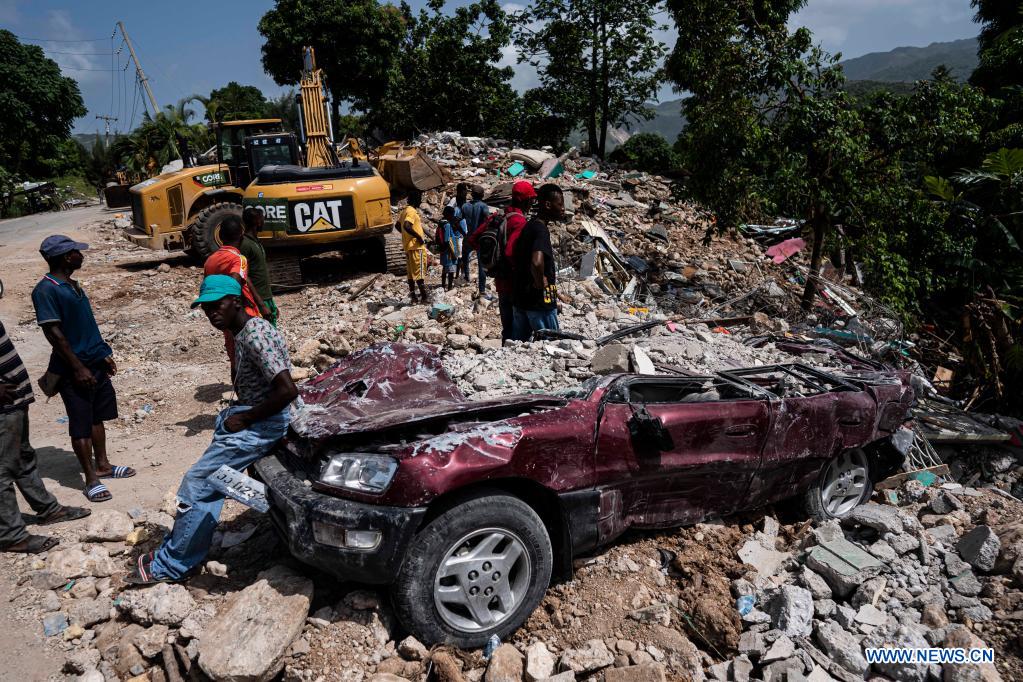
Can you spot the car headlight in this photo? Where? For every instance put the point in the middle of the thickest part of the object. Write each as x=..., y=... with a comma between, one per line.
x=359, y=471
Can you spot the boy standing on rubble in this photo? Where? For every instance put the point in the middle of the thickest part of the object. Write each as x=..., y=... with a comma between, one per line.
x=536, y=291
x=244, y=433
x=413, y=240
x=450, y=247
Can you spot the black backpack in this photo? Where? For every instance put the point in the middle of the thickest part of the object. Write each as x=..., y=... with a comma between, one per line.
x=491, y=245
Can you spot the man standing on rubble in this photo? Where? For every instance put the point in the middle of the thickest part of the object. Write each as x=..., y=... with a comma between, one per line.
x=228, y=260
x=474, y=213
x=259, y=274
x=515, y=219
x=81, y=361
x=245, y=432
x=536, y=291
x=413, y=240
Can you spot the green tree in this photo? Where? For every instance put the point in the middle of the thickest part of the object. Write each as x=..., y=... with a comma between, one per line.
x=37, y=107
x=647, y=152
x=447, y=74
x=770, y=129
x=597, y=60
x=356, y=42
x=235, y=102
x=999, y=71
x=155, y=143
x=284, y=107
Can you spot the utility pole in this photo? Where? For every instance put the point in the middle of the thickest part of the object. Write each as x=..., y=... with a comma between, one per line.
x=107, y=120
x=138, y=68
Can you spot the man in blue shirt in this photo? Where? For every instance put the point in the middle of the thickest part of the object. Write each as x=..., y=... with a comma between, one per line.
x=474, y=213
x=81, y=358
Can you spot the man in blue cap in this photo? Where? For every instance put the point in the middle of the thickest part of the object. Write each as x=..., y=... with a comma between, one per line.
x=81, y=358
x=244, y=433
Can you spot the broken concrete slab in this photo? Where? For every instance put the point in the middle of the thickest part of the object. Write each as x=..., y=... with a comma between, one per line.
x=980, y=548
x=767, y=561
x=881, y=517
x=791, y=610
x=249, y=636
x=843, y=565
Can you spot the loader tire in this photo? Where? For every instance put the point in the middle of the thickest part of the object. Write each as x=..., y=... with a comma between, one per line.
x=206, y=227
x=394, y=255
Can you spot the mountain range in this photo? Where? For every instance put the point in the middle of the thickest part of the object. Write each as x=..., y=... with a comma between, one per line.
x=894, y=70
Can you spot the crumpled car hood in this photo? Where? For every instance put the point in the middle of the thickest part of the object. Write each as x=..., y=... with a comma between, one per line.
x=388, y=385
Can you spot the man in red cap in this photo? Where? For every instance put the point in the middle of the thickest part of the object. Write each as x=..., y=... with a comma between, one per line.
x=521, y=201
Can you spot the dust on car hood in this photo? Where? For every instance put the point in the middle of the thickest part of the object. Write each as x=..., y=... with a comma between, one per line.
x=388, y=385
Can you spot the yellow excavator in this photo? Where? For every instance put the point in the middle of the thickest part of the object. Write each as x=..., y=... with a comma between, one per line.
x=324, y=204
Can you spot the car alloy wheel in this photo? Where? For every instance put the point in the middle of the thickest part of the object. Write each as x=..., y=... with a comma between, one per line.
x=482, y=579
x=845, y=482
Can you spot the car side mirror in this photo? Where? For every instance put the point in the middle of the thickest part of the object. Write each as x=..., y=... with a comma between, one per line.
x=649, y=436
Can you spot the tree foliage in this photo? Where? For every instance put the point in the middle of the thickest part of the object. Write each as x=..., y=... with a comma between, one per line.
x=647, y=152
x=37, y=107
x=157, y=140
x=235, y=102
x=597, y=60
x=356, y=41
x=1000, y=69
x=446, y=76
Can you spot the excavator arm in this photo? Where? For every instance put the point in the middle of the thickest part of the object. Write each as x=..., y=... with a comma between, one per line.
x=315, y=117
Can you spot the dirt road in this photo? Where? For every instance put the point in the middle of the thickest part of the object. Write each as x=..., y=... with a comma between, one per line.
x=181, y=393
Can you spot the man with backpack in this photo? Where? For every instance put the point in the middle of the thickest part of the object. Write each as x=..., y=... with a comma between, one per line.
x=495, y=243
x=536, y=289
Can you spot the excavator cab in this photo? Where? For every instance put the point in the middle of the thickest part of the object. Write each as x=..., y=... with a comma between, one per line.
x=232, y=150
x=272, y=149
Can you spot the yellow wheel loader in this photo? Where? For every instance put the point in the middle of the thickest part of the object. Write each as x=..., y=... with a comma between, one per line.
x=323, y=205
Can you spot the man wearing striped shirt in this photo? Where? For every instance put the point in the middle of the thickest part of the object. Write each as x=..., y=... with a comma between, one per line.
x=18, y=461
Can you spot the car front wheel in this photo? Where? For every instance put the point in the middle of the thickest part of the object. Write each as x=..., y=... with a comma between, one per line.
x=844, y=483
x=478, y=569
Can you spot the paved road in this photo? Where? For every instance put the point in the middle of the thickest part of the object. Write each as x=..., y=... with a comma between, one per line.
x=33, y=227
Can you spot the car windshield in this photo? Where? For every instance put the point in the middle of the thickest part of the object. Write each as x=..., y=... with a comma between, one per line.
x=580, y=391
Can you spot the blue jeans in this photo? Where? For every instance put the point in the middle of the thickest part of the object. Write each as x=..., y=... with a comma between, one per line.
x=528, y=321
x=199, y=503
x=482, y=275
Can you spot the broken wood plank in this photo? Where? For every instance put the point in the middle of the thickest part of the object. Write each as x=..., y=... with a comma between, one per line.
x=898, y=479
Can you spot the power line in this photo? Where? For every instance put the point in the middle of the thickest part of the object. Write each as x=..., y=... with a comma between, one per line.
x=83, y=54
x=55, y=40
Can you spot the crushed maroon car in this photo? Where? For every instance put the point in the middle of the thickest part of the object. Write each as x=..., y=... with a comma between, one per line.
x=468, y=508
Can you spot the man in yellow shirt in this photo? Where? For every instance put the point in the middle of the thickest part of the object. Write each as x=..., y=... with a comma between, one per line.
x=414, y=242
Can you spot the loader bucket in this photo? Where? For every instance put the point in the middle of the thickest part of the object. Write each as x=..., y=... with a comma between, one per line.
x=407, y=169
x=117, y=196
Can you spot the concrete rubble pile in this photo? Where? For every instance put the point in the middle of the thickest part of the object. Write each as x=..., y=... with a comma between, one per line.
x=742, y=599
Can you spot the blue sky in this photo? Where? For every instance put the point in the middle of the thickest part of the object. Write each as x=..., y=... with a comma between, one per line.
x=188, y=46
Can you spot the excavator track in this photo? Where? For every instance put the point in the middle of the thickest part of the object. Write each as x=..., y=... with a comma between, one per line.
x=285, y=269
x=394, y=254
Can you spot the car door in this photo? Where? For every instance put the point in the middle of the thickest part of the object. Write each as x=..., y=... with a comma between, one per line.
x=714, y=450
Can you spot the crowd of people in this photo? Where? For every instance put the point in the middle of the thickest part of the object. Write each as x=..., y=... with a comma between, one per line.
x=513, y=248
x=523, y=269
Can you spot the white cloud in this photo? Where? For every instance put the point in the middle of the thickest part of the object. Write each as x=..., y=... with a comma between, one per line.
x=78, y=60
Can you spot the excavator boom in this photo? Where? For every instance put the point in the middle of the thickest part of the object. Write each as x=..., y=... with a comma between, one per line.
x=315, y=118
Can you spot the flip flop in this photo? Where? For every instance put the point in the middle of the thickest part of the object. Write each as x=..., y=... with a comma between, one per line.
x=96, y=492
x=69, y=514
x=119, y=472
x=141, y=575
x=34, y=544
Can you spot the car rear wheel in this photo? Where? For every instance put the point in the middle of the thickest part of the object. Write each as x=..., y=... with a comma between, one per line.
x=844, y=483
x=476, y=570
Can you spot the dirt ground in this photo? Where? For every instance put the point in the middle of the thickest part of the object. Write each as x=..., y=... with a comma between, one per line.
x=141, y=320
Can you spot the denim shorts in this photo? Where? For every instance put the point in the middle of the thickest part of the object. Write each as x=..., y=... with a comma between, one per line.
x=87, y=407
